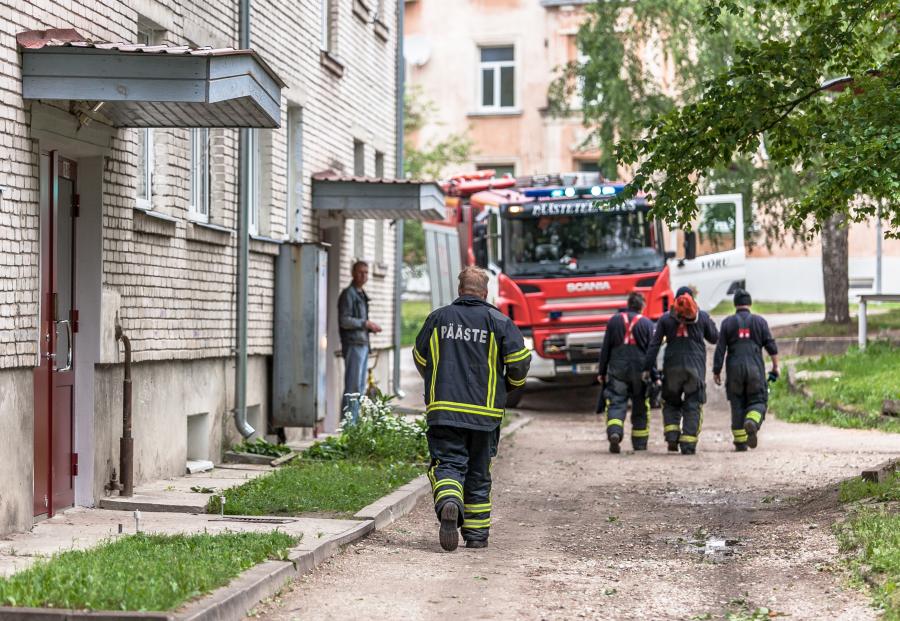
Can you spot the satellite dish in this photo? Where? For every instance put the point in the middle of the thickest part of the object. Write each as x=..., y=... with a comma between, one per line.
x=416, y=50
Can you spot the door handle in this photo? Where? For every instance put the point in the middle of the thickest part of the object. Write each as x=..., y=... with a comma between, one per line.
x=68, y=323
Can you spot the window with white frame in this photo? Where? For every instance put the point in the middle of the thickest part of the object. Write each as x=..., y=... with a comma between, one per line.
x=199, y=207
x=379, y=165
x=359, y=158
x=379, y=242
x=359, y=239
x=327, y=9
x=254, y=181
x=146, y=35
x=497, y=78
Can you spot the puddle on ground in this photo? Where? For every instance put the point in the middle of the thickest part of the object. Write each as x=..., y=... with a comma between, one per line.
x=712, y=548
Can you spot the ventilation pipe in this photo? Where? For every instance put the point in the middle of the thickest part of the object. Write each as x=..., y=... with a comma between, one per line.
x=398, y=229
x=243, y=255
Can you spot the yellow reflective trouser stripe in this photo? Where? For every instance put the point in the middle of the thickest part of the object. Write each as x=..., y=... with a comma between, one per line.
x=435, y=359
x=614, y=422
x=640, y=433
x=672, y=428
x=755, y=416
x=452, y=493
x=446, y=482
x=431, y=473
x=485, y=523
x=517, y=355
x=700, y=423
x=419, y=357
x=739, y=435
x=685, y=438
x=492, y=371
x=515, y=382
x=480, y=508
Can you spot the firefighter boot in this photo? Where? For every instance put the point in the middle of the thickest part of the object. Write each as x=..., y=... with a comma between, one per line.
x=476, y=544
x=614, y=443
x=751, y=428
x=449, y=533
x=740, y=447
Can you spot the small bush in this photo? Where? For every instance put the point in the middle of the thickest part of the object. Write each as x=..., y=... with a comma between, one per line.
x=378, y=435
x=260, y=446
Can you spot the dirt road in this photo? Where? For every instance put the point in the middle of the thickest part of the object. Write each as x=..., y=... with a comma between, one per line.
x=580, y=533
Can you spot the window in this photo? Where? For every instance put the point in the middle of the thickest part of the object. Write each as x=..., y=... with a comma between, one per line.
x=199, y=207
x=497, y=80
x=146, y=36
x=379, y=164
x=499, y=169
x=254, y=180
x=359, y=158
x=328, y=25
x=379, y=242
x=359, y=250
x=295, y=170
x=588, y=166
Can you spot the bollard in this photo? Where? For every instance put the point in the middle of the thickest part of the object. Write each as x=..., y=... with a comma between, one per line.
x=137, y=521
x=863, y=326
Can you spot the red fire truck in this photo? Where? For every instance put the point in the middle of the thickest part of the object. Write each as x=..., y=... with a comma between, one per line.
x=563, y=259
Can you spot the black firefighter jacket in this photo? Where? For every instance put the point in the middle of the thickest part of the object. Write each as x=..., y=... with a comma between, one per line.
x=469, y=354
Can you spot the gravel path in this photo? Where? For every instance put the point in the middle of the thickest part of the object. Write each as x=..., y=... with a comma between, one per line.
x=580, y=533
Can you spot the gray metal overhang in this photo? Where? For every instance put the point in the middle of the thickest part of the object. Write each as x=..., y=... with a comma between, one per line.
x=156, y=86
x=378, y=199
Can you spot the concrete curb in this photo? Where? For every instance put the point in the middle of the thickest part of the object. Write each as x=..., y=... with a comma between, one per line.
x=880, y=473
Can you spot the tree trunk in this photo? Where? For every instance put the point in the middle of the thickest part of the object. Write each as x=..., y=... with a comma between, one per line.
x=835, y=270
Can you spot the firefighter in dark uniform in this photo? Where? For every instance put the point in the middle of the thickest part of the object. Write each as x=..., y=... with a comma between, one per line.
x=621, y=368
x=470, y=356
x=683, y=328
x=742, y=339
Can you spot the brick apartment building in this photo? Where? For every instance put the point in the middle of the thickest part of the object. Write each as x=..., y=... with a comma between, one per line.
x=119, y=205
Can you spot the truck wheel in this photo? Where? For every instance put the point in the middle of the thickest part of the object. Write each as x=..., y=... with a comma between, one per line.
x=513, y=398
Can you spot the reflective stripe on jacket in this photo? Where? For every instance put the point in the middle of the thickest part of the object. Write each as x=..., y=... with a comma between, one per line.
x=469, y=354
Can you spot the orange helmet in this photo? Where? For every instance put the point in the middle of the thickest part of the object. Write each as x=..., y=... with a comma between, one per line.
x=685, y=308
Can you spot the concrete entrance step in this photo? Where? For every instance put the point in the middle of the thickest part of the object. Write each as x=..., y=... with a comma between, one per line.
x=187, y=494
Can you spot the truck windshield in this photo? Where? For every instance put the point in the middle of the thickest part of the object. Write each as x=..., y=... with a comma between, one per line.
x=603, y=243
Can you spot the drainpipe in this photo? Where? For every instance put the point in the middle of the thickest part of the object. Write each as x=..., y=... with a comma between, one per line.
x=125, y=487
x=243, y=255
x=398, y=231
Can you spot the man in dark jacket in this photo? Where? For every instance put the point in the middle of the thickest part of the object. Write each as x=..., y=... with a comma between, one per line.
x=684, y=329
x=743, y=337
x=625, y=346
x=353, y=320
x=470, y=355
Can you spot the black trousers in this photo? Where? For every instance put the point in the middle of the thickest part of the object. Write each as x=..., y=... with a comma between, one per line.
x=683, y=396
x=460, y=472
x=618, y=393
x=748, y=395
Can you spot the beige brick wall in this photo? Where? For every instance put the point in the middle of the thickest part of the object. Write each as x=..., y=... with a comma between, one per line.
x=177, y=293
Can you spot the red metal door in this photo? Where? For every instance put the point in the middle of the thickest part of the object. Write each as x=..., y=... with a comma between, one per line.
x=54, y=461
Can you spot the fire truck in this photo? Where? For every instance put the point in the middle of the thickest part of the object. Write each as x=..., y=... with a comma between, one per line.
x=563, y=258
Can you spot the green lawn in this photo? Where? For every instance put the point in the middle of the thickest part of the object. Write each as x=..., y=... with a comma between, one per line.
x=335, y=487
x=141, y=572
x=867, y=379
x=871, y=538
x=726, y=307
x=889, y=320
x=413, y=314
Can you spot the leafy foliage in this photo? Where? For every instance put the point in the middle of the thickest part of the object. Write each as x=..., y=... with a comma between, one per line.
x=260, y=446
x=141, y=572
x=858, y=488
x=378, y=435
x=872, y=536
x=429, y=160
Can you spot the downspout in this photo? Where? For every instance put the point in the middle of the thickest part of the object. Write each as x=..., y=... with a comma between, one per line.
x=398, y=232
x=243, y=254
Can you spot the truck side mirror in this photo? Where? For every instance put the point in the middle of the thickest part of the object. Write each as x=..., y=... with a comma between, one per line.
x=479, y=244
x=690, y=245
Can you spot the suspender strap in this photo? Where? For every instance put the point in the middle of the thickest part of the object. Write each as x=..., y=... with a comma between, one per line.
x=629, y=327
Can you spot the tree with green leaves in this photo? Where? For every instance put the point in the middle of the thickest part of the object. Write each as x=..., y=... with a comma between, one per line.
x=425, y=162
x=754, y=83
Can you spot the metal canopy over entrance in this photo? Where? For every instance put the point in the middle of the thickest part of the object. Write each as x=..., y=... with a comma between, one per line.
x=131, y=85
x=370, y=198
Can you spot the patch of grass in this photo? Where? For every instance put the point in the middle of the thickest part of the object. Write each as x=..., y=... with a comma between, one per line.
x=858, y=488
x=878, y=322
x=794, y=408
x=338, y=487
x=872, y=537
x=867, y=378
x=141, y=572
x=726, y=307
x=413, y=314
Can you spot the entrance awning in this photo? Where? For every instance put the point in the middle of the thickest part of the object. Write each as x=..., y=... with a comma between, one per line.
x=377, y=199
x=133, y=85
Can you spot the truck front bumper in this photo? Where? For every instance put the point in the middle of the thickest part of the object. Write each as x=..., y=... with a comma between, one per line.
x=550, y=368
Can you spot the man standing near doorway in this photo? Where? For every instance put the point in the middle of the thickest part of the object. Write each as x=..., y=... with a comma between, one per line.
x=470, y=356
x=353, y=320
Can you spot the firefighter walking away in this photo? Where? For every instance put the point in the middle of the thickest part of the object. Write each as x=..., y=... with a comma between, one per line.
x=470, y=356
x=743, y=337
x=625, y=344
x=683, y=328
